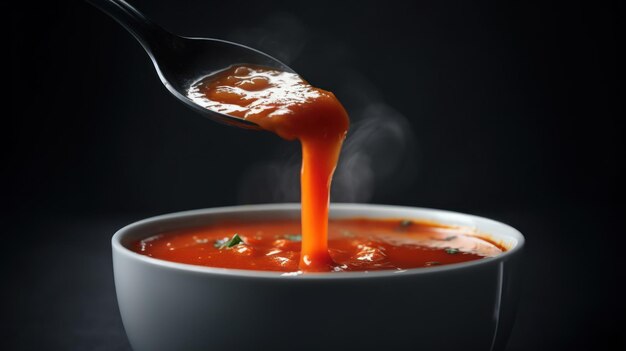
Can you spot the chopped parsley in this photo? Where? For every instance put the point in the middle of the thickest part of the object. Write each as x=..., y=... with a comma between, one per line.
x=347, y=233
x=228, y=243
x=293, y=237
x=405, y=223
x=452, y=250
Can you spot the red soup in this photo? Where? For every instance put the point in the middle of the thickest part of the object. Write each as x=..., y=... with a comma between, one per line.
x=287, y=105
x=354, y=245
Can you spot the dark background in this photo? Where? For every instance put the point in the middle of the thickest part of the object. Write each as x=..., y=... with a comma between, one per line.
x=511, y=110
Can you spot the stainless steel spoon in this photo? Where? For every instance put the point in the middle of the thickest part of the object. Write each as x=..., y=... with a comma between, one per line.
x=181, y=61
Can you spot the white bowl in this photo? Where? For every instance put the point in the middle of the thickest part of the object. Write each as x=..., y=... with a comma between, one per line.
x=167, y=306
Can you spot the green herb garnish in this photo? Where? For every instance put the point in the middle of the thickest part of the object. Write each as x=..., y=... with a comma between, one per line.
x=293, y=237
x=433, y=263
x=347, y=233
x=452, y=250
x=405, y=223
x=228, y=243
x=448, y=238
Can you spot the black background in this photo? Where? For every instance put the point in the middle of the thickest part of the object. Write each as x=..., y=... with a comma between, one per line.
x=512, y=110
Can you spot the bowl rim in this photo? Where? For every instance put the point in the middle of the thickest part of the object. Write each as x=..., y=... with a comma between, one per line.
x=119, y=248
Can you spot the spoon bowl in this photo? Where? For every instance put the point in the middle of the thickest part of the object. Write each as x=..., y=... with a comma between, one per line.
x=182, y=61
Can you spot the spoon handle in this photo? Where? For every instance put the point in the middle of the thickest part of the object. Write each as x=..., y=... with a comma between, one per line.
x=151, y=36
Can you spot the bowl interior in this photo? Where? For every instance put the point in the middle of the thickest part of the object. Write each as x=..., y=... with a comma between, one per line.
x=498, y=232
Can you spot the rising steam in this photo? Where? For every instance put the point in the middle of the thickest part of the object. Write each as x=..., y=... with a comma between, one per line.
x=379, y=155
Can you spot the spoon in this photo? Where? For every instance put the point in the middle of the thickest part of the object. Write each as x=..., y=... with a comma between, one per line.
x=181, y=61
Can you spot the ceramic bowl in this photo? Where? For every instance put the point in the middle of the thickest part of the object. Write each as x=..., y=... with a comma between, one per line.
x=167, y=306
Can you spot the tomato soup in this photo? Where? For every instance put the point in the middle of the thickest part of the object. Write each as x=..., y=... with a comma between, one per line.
x=354, y=245
x=285, y=104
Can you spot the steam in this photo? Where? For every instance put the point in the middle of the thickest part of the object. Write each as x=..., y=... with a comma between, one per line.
x=281, y=34
x=379, y=156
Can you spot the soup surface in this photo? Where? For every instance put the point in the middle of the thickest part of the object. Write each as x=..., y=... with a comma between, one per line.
x=287, y=105
x=354, y=245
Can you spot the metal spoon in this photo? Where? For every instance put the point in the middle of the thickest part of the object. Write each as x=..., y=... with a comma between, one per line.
x=181, y=61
